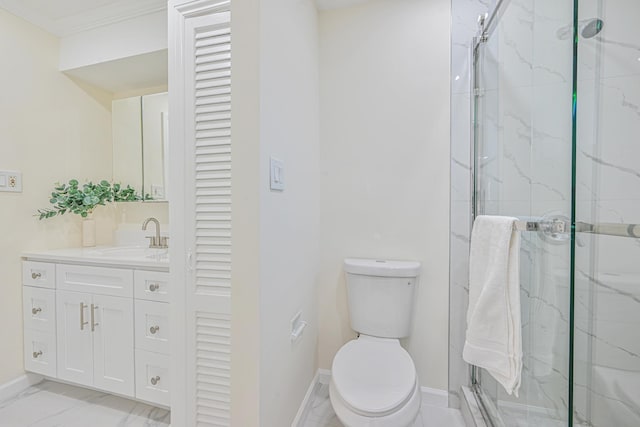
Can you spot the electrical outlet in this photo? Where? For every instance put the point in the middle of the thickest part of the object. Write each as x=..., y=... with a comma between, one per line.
x=10, y=181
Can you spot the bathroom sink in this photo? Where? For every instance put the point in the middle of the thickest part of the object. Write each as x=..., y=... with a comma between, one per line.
x=130, y=252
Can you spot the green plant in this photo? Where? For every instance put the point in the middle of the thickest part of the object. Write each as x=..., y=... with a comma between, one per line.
x=82, y=200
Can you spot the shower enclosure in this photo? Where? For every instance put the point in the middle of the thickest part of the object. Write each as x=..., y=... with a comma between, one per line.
x=556, y=142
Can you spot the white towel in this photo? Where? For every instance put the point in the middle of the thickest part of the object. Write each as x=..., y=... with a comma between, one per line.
x=494, y=340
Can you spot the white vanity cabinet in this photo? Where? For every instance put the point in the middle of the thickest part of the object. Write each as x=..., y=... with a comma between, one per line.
x=95, y=341
x=104, y=327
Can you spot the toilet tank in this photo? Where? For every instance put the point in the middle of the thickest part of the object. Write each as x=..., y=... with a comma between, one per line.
x=380, y=295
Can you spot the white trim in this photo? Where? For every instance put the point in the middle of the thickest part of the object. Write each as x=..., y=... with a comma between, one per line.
x=323, y=376
x=18, y=385
x=434, y=397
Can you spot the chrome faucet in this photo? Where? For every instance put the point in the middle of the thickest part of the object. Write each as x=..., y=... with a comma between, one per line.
x=157, y=241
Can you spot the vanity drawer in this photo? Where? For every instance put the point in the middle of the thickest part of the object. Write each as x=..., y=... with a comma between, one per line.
x=40, y=352
x=151, y=285
x=116, y=282
x=39, y=309
x=40, y=274
x=152, y=326
x=152, y=377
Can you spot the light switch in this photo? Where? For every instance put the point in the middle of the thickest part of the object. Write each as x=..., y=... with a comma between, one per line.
x=3, y=180
x=277, y=174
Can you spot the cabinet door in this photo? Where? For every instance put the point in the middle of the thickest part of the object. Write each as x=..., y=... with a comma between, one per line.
x=74, y=341
x=201, y=148
x=111, y=319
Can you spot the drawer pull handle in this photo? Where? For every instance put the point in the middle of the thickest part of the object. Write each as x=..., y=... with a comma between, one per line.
x=154, y=329
x=93, y=322
x=35, y=311
x=82, y=322
x=155, y=380
x=35, y=276
x=154, y=287
x=36, y=354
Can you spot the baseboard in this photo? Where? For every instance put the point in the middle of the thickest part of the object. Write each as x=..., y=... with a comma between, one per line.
x=434, y=397
x=322, y=376
x=18, y=385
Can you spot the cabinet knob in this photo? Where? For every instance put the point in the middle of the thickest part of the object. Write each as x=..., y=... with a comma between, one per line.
x=36, y=310
x=154, y=287
x=36, y=354
x=154, y=329
x=155, y=380
x=36, y=275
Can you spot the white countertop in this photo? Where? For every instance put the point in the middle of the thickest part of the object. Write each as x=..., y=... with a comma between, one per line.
x=114, y=256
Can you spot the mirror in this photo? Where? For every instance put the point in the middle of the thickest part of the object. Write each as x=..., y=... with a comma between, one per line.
x=140, y=137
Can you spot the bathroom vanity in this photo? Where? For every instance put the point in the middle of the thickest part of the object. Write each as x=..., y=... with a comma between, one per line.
x=99, y=318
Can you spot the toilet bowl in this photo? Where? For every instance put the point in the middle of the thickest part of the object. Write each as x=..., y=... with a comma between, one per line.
x=374, y=383
x=373, y=379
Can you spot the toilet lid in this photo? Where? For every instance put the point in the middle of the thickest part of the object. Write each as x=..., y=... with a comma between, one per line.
x=373, y=375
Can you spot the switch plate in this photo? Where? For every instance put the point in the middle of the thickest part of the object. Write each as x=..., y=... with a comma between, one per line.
x=11, y=181
x=277, y=174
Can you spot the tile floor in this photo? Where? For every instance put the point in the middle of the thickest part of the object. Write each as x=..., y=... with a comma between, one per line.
x=320, y=413
x=51, y=404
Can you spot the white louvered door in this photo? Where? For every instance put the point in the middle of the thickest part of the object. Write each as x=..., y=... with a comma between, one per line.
x=205, y=201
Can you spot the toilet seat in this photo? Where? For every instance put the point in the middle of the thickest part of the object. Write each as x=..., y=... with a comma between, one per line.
x=374, y=377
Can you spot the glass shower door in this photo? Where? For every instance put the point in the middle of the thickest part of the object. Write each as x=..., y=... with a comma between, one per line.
x=607, y=305
x=523, y=157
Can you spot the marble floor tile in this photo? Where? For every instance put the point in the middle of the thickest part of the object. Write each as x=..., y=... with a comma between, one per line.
x=51, y=404
x=321, y=413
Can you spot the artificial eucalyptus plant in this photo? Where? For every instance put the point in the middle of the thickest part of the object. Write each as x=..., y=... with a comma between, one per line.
x=82, y=200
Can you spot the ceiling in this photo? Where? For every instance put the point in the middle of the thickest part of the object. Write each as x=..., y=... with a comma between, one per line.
x=336, y=4
x=66, y=17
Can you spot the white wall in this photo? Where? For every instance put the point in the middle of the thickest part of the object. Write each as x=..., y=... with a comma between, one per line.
x=245, y=220
x=384, y=108
x=51, y=130
x=289, y=220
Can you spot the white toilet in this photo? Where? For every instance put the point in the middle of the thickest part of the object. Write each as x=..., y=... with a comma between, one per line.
x=373, y=379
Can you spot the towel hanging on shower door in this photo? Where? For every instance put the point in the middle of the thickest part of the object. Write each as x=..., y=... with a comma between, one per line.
x=494, y=340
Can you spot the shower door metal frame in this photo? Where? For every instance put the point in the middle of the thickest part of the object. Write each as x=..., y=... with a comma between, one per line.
x=486, y=24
